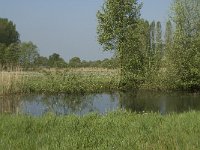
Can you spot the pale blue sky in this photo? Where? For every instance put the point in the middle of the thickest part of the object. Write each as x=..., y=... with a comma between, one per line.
x=67, y=27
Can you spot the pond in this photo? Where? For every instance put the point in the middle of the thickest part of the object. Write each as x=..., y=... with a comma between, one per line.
x=63, y=104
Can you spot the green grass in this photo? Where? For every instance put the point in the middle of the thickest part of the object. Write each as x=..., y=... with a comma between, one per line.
x=70, y=82
x=60, y=81
x=117, y=130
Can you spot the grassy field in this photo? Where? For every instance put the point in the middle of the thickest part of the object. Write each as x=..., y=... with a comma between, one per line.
x=81, y=80
x=117, y=130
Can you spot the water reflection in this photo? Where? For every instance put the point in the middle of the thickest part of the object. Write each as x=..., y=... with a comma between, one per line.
x=10, y=104
x=160, y=102
x=141, y=101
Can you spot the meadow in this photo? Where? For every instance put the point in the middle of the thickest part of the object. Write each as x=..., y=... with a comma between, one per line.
x=116, y=130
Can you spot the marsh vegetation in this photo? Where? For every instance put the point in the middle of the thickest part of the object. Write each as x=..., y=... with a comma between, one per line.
x=81, y=80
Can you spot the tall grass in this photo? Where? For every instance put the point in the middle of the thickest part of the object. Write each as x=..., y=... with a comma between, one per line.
x=10, y=82
x=71, y=81
x=80, y=80
x=117, y=130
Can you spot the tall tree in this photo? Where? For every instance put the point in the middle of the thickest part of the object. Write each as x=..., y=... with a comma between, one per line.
x=159, y=43
x=2, y=53
x=168, y=35
x=11, y=55
x=143, y=31
x=8, y=32
x=9, y=37
x=28, y=54
x=42, y=61
x=158, y=47
x=152, y=36
x=75, y=62
x=182, y=57
x=56, y=61
x=117, y=22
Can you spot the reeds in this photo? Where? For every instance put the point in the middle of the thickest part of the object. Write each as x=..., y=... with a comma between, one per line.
x=59, y=81
x=71, y=81
x=10, y=82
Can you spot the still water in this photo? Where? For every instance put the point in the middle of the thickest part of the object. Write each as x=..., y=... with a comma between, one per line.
x=37, y=105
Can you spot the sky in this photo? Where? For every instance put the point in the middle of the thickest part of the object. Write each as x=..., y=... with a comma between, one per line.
x=68, y=27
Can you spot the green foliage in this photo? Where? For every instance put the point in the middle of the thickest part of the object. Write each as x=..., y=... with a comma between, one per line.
x=168, y=36
x=69, y=82
x=182, y=57
x=28, y=54
x=159, y=48
x=152, y=36
x=8, y=33
x=63, y=81
x=116, y=130
x=117, y=25
x=2, y=52
x=75, y=62
x=56, y=61
x=41, y=61
x=9, y=55
x=112, y=63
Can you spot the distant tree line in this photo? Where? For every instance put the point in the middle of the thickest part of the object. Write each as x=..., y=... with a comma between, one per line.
x=55, y=61
x=14, y=53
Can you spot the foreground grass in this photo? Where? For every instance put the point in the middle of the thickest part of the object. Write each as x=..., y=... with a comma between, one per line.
x=117, y=130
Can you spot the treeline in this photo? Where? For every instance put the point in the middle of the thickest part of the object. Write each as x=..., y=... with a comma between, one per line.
x=149, y=57
x=55, y=61
x=14, y=53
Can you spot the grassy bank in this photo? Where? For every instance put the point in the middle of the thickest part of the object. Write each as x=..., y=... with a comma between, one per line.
x=77, y=80
x=82, y=80
x=117, y=130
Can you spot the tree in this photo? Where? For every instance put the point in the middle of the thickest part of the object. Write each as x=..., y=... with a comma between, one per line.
x=144, y=32
x=12, y=54
x=56, y=61
x=75, y=62
x=117, y=22
x=168, y=36
x=158, y=47
x=28, y=54
x=8, y=33
x=9, y=38
x=2, y=53
x=183, y=57
x=152, y=36
x=42, y=61
x=158, y=38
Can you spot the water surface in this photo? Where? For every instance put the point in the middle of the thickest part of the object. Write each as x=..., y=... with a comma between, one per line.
x=62, y=104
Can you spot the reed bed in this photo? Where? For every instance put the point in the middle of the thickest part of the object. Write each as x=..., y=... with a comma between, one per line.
x=116, y=130
x=59, y=81
x=10, y=82
x=71, y=82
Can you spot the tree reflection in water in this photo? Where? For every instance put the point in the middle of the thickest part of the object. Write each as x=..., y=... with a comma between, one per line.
x=10, y=104
x=145, y=101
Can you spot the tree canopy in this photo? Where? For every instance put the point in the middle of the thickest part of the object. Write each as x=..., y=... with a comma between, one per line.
x=8, y=32
x=117, y=24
